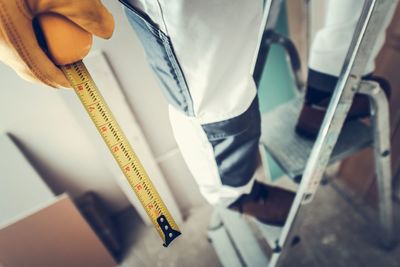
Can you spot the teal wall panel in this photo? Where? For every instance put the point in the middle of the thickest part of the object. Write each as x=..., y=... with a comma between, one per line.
x=276, y=85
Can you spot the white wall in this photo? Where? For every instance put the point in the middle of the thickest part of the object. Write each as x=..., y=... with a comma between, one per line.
x=65, y=157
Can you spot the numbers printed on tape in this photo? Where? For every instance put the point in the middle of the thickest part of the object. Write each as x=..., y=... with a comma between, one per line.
x=123, y=153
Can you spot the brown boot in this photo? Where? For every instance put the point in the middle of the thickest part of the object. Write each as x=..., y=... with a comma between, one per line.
x=269, y=205
x=317, y=100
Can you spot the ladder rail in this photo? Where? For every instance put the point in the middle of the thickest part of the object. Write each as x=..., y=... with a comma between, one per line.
x=270, y=17
x=364, y=37
x=382, y=156
x=270, y=38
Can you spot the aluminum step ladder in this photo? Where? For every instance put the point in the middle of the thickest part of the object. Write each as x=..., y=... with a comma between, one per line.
x=235, y=238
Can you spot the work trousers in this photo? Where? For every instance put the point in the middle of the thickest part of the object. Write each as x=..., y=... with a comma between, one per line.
x=202, y=53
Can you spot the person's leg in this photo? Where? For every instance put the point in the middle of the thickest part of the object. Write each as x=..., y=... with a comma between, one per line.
x=222, y=156
x=327, y=55
x=329, y=48
x=214, y=113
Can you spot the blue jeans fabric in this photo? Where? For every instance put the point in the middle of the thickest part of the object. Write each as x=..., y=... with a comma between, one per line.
x=235, y=144
x=162, y=60
x=234, y=141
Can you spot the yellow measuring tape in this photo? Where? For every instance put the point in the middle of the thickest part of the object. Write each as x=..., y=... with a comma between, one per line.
x=112, y=134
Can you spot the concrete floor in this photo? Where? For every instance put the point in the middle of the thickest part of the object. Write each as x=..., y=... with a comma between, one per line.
x=336, y=233
x=143, y=246
x=333, y=233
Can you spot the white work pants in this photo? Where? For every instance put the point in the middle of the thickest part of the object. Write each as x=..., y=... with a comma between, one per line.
x=203, y=55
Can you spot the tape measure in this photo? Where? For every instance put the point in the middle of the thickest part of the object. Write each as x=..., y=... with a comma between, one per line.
x=112, y=134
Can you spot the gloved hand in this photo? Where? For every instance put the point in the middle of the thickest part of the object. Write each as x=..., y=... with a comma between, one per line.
x=19, y=47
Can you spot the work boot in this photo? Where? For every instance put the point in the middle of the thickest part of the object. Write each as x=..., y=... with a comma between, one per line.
x=318, y=95
x=268, y=204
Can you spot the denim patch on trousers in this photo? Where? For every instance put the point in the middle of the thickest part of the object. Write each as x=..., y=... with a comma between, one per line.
x=235, y=145
x=162, y=59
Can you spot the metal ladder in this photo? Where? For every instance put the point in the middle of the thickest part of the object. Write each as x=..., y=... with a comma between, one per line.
x=306, y=161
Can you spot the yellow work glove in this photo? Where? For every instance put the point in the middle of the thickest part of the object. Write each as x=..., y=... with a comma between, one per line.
x=19, y=47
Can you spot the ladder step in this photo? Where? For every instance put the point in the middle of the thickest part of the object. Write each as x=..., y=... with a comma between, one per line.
x=270, y=233
x=224, y=248
x=241, y=238
x=291, y=151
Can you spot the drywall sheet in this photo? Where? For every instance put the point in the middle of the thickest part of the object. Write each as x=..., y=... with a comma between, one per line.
x=56, y=235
